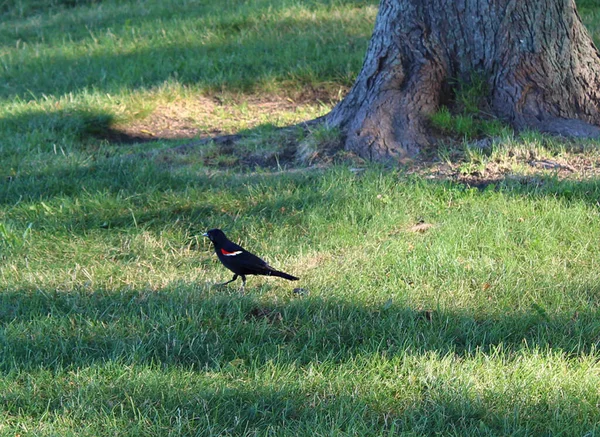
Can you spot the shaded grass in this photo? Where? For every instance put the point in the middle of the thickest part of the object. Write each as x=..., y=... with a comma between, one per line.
x=172, y=402
x=485, y=324
x=191, y=327
x=590, y=13
x=142, y=360
x=112, y=47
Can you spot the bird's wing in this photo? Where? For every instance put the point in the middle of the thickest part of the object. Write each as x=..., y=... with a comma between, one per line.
x=252, y=263
x=234, y=255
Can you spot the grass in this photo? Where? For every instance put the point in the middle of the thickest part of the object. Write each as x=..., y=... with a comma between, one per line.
x=486, y=322
x=206, y=45
x=107, y=312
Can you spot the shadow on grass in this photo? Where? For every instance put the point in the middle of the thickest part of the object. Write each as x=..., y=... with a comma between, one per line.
x=298, y=189
x=157, y=193
x=197, y=328
x=147, y=399
x=200, y=330
x=87, y=130
x=285, y=49
x=75, y=123
x=80, y=125
x=73, y=181
x=586, y=191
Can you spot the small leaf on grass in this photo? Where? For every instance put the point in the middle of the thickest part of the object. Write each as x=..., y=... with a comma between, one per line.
x=420, y=227
x=301, y=291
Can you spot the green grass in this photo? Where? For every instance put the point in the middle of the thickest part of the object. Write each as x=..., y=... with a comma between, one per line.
x=123, y=47
x=467, y=125
x=487, y=323
x=469, y=118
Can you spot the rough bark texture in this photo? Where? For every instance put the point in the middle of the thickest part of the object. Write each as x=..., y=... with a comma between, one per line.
x=540, y=64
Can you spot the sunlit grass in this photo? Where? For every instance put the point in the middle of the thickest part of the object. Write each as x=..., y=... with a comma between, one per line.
x=427, y=307
x=495, y=307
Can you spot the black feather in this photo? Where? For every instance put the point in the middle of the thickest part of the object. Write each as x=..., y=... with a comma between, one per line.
x=239, y=260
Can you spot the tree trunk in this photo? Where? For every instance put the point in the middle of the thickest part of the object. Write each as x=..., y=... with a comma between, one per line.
x=540, y=65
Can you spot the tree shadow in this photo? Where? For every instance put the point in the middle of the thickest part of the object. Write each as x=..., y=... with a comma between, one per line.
x=533, y=186
x=192, y=328
x=195, y=327
x=585, y=190
x=144, y=177
x=299, y=194
x=149, y=399
x=210, y=65
x=75, y=123
x=84, y=126
x=73, y=180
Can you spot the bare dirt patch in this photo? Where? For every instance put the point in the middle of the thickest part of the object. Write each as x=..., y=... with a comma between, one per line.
x=573, y=166
x=172, y=120
x=206, y=117
x=217, y=121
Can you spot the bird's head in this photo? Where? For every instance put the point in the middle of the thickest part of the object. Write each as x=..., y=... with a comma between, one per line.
x=215, y=235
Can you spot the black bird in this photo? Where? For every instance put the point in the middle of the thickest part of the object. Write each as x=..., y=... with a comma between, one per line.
x=240, y=261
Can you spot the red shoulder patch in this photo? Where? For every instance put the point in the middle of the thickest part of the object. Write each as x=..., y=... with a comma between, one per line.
x=224, y=252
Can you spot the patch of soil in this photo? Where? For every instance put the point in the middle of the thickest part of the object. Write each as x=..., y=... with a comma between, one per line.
x=420, y=227
x=181, y=119
x=175, y=120
x=323, y=94
x=573, y=166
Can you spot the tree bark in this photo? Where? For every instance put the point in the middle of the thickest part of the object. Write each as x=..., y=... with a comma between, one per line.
x=540, y=65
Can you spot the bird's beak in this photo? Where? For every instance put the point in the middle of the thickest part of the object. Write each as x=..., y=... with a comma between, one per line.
x=205, y=235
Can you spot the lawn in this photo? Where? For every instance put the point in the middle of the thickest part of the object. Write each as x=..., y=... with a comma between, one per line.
x=430, y=305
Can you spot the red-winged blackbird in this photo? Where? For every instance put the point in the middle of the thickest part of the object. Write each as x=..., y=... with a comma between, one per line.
x=240, y=261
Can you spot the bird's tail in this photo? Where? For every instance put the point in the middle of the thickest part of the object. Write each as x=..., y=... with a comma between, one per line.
x=283, y=275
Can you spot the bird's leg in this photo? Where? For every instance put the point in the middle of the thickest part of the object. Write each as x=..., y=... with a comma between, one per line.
x=225, y=283
x=242, y=288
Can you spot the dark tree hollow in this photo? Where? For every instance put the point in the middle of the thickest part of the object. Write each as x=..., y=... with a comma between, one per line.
x=536, y=57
